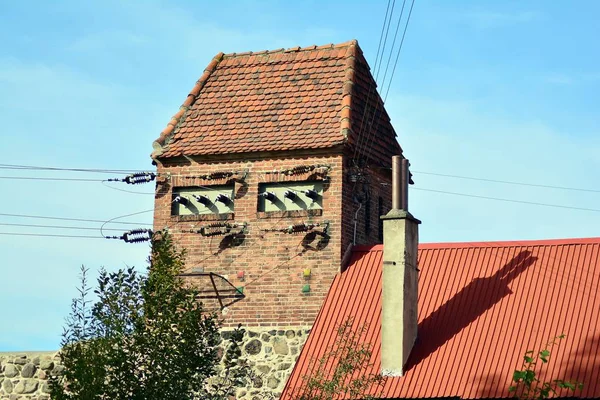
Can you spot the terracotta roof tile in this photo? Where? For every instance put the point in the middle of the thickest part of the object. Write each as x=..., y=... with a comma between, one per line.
x=481, y=306
x=290, y=99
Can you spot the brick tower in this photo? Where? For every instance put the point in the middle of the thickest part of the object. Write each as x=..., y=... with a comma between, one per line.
x=276, y=162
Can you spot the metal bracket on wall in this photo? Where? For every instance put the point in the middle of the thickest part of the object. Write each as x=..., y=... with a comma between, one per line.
x=216, y=287
x=222, y=229
x=303, y=227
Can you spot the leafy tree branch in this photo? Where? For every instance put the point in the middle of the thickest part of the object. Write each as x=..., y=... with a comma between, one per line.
x=527, y=385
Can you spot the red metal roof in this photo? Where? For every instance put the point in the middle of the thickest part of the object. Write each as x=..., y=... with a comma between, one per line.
x=481, y=306
x=294, y=99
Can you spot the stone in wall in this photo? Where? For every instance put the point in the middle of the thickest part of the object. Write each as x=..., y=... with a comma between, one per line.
x=25, y=375
x=272, y=353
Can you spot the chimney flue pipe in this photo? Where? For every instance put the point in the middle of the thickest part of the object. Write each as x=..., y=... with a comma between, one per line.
x=400, y=183
x=404, y=185
x=396, y=167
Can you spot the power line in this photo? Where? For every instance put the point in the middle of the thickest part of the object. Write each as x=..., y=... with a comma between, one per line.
x=49, y=235
x=387, y=10
x=105, y=183
x=508, y=182
x=123, y=216
x=49, y=179
x=21, y=167
x=387, y=31
x=73, y=219
x=376, y=69
x=371, y=135
x=399, y=50
x=58, y=227
x=507, y=200
x=393, y=44
x=281, y=264
x=45, y=168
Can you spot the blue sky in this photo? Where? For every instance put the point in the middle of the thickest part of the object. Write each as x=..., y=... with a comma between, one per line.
x=498, y=90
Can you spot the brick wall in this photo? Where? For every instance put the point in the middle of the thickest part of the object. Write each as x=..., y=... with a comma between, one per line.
x=365, y=201
x=273, y=262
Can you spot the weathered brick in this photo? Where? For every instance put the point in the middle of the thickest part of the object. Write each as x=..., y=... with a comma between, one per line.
x=273, y=262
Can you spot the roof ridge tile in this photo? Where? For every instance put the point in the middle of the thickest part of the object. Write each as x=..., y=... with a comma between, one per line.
x=329, y=46
x=348, y=90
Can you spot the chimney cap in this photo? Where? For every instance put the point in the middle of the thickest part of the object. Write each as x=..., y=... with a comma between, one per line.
x=400, y=214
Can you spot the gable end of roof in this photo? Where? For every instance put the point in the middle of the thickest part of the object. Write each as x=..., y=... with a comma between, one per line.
x=348, y=90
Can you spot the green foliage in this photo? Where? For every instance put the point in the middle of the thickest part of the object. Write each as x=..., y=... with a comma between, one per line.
x=146, y=337
x=526, y=384
x=344, y=371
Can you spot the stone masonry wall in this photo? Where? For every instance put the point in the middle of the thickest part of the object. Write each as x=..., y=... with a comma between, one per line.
x=25, y=375
x=271, y=354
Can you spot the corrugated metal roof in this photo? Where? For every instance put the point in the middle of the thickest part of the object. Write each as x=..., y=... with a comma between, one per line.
x=481, y=306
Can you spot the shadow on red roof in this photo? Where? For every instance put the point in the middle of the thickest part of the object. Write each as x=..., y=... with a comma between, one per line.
x=481, y=306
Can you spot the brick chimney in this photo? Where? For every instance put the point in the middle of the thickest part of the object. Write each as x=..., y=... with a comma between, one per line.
x=399, y=303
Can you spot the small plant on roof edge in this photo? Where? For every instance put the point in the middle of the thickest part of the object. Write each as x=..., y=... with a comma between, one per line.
x=526, y=384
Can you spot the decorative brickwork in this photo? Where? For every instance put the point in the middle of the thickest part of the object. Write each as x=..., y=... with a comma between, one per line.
x=270, y=265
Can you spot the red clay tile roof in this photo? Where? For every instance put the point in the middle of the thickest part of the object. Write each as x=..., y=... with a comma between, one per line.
x=299, y=98
x=481, y=306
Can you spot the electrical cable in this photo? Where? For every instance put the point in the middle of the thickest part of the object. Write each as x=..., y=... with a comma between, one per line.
x=49, y=179
x=49, y=235
x=508, y=182
x=71, y=219
x=123, y=216
x=281, y=264
x=399, y=50
x=58, y=227
x=44, y=168
x=371, y=86
x=387, y=66
x=385, y=40
x=363, y=143
x=105, y=183
x=507, y=200
x=372, y=133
